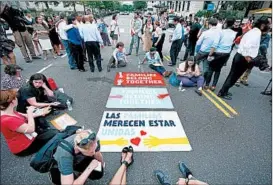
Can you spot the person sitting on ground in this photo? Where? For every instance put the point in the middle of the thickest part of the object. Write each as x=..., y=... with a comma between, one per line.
x=35, y=93
x=86, y=159
x=187, y=178
x=12, y=78
x=118, y=58
x=155, y=63
x=20, y=130
x=189, y=74
x=127, y=160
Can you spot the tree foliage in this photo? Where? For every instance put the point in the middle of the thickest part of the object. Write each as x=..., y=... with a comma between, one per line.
x=140, y=5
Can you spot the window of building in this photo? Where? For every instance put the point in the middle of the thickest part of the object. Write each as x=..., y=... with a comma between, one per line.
x=183, y=6
x=188, y=7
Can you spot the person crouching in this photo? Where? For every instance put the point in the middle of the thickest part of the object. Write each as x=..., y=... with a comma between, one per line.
x=118, y=59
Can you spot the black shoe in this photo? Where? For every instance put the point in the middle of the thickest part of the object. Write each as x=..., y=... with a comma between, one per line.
x=226, y=96
x=73, y=68
x=171, y=64
x=127, y=54
x=28, y=61
x=184, y=170
x=199, y=92
x=92, y=70
x=162, y=178
x=100, y=70
x=229, y=94
x=36, y=57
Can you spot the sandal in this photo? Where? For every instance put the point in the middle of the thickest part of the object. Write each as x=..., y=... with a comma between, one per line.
x=124, y=150
x=131, y=150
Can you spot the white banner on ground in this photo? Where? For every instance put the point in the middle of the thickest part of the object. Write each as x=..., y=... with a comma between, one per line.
x=139, y=97
x=146, y=131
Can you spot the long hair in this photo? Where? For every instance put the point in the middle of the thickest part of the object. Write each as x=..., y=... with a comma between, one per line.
x=191, y=58
x=38, y=91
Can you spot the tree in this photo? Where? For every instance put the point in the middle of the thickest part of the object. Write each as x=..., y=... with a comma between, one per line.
x=70, y=3
x=140, y=5
x=37, y=3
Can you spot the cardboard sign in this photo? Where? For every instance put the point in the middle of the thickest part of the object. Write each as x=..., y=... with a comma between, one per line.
x=139, y=79
x=146, y=131
x=139, y=97
x=62, y=121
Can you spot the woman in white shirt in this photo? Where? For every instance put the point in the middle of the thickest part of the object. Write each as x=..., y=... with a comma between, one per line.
x=189, y=74
x=158, y=39
x=147, y=36
x=114, y=28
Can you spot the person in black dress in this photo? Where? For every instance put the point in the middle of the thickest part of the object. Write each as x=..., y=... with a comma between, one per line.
x=53, y=36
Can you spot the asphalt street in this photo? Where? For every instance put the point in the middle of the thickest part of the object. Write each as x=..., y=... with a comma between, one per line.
x=226, y=150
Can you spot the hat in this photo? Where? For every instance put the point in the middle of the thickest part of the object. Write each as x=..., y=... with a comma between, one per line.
x=27, y=11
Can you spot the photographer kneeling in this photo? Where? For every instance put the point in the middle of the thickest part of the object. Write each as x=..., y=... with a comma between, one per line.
x=19, y=129
x=86, y=159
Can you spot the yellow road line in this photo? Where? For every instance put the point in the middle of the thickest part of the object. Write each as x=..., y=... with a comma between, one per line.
x=217, y=105
x=166, y=58
x=223, y=102
x=169, y=57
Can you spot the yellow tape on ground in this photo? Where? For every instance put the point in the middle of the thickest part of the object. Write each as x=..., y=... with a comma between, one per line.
x=169, y=57
x=223, y=102
x=216, y=104
x=166, y=58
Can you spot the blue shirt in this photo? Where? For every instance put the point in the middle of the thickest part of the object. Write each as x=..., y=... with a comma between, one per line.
x=226, y=41
x=90, y=32
x=152, y=60
x=73, y=36
x=103, y=27
x=209, y=39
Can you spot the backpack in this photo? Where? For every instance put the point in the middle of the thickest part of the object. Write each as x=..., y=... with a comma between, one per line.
x=43, y=160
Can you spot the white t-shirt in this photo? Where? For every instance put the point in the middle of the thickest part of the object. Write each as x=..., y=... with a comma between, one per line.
x=114, y=27
x=158, y=32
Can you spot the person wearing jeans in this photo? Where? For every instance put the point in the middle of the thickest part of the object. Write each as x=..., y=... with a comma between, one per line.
x=155, y=63
x=189, y=75
x=136, y=26
x=75, y=41
x=61, y=28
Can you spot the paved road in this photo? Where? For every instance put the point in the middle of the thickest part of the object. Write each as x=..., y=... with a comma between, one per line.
x=225, y=150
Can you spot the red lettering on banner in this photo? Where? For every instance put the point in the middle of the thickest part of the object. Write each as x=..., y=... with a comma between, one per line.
x=138, y=79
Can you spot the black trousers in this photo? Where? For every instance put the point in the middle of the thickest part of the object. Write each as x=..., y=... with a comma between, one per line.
x=77, y=53
x=238, y=67
x=158, y=47
x=93, y=50
x=215, y=67
x=39, y=142
x=80, y=164
x=190, y=49
x=175, y=49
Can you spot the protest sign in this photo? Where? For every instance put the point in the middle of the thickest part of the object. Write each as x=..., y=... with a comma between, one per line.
x=145, y=131
x=139, y=97
x=62, y=121
x=138, y=79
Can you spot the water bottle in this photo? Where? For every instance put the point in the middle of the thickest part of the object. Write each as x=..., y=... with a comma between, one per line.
x=180, y=87
x=69, y=106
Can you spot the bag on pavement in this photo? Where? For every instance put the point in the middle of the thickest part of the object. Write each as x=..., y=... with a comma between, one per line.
x=43, y=160
x=62, y=98
x=173, y=80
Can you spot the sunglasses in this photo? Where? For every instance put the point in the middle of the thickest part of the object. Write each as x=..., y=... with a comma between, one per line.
x=85, y=141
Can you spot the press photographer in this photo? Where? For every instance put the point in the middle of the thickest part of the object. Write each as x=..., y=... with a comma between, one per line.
x=17, y=22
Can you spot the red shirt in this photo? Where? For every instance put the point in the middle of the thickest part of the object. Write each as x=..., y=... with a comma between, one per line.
x=17, y=142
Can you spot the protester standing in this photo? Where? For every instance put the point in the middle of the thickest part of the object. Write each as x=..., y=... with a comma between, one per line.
x=158, y=39
x=194, y=30
x=247, y=51
x=75, y=41
x=92, y=38
x=135, y=31
x=61, y=28
x=104, y=32
x=176, y=41
x=147, y=36
x=43, y=35
x=114, y=28
x=53, y=36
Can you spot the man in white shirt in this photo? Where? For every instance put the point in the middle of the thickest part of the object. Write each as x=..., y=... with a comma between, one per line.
x=247, y=51
x=92, y=39
x=61, y=28
x=176, y=41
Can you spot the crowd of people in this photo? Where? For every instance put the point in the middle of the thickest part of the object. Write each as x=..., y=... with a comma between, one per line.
x=25, y=105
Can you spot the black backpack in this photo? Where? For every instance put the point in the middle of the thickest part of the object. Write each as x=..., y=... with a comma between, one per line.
x=43, y=160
